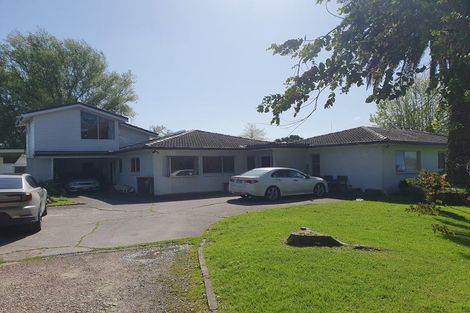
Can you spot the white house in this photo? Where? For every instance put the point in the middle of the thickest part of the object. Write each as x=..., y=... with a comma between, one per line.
x=81, y=140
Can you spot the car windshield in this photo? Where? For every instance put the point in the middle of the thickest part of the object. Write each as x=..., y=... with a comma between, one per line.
x=255, y=172
x=11, y=183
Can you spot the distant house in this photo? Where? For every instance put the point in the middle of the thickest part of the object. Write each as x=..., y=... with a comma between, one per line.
x=12, y=161
x=81, y=140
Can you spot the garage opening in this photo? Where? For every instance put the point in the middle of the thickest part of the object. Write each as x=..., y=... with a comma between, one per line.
x=101, y=169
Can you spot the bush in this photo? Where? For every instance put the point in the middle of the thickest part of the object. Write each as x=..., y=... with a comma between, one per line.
x=53, y=188
x=424, y=208
x=409, y=188
x=453, y=196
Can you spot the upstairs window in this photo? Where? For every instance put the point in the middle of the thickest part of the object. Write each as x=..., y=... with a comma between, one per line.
x=96, y=127
x=407, y=161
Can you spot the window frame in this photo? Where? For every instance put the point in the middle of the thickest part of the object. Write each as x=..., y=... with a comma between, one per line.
x=135, y=165
x=111, y=127
x=223, y=161
x=403, y=162
x=195, y=166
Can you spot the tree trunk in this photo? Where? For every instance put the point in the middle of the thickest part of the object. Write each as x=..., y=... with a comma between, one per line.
x=458, y=158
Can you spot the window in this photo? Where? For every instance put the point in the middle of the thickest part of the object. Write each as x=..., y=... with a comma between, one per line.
x=183, y=166
x=120, y=165
x=295, y=174
x=266, y=161
x=407, y=161
x=11, y=182
x=135, y=165
x=218, y=164
x=315, y=165
x=441, y=161
x=96, y=127
x=31, y=181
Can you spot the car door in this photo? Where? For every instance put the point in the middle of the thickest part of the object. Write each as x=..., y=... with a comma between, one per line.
x=298, y=183
x=280, y=178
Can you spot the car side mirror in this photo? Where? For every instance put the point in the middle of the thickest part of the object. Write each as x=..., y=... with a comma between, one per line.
x=307, y=177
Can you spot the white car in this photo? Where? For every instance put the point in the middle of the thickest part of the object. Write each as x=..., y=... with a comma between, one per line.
x=83, y=184
x=275, y=182
x=22, y=201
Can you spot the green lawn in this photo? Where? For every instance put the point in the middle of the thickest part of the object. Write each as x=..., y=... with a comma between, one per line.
x=60, y=201
x=253, y=270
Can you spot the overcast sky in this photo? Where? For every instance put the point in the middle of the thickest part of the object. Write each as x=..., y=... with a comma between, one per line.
x=197, y=64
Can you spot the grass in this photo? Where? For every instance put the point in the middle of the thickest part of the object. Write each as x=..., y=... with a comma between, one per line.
x=60, y=201
x=253, y=270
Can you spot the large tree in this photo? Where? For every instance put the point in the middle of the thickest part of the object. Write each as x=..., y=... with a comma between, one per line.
x=384, y=44
x=419, y=109
x=37, y=70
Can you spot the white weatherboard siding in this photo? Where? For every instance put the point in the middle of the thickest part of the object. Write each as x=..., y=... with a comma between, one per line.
x=292, y=157
x=362, y=164
x=429, y=162
x=129, y=136
x=163, y=184
x=40, y=168
x=126, y=177
x=61, y=131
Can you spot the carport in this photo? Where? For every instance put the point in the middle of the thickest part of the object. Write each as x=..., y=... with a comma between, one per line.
x=101, y=169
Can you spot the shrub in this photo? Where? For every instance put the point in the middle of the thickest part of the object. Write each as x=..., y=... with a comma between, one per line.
x=453, y=196
x=409, y=188
x=442, y=229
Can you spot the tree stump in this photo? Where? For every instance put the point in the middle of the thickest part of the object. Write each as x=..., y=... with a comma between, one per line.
x=305, y=237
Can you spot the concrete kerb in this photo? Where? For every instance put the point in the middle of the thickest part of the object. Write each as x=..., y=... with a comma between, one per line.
x=211, y=298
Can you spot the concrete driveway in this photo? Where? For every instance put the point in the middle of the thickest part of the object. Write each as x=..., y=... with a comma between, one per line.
x=111, y=221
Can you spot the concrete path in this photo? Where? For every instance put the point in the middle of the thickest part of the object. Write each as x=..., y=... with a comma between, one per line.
x=105, y=222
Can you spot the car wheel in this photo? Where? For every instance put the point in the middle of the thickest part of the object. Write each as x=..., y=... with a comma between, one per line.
x=272, y=193
x=319, y=190
x=36, y=226
x=45, y=209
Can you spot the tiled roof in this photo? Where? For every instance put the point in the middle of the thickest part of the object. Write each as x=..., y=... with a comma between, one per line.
x=366, y=135
x=197, y=139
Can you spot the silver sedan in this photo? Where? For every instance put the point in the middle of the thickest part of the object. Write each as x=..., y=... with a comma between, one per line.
x=22, y=201
x=275, y=182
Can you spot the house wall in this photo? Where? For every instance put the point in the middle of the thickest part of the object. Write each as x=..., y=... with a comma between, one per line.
x=40, y=168
x=163, y=184
x=126, y=177
x=363, y=164
x=61, y=131
x=429, y=162
x=294, y=158
x=129, y=136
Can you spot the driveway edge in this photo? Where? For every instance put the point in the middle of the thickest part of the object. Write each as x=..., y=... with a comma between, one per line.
x=211, y=298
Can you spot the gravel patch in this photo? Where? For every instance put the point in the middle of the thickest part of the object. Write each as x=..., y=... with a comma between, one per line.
x=142, y=280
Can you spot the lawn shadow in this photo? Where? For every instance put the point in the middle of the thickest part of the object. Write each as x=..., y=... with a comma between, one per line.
x=458, y=223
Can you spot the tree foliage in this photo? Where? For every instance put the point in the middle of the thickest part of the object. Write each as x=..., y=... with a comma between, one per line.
x=161, y=130
x=419, y=109
x=252, y=132
x=290, y=138
x=37, y=70
x=383, y=45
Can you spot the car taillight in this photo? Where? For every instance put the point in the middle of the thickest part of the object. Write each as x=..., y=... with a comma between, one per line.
x=27, y=197
x=251, y=181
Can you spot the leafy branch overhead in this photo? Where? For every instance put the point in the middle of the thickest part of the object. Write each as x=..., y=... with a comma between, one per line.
x=383, y=45
x=379, y=44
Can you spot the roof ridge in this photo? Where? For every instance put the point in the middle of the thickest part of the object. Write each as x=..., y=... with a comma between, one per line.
x=239, y=137
x=382, y=137
x=175, y=135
